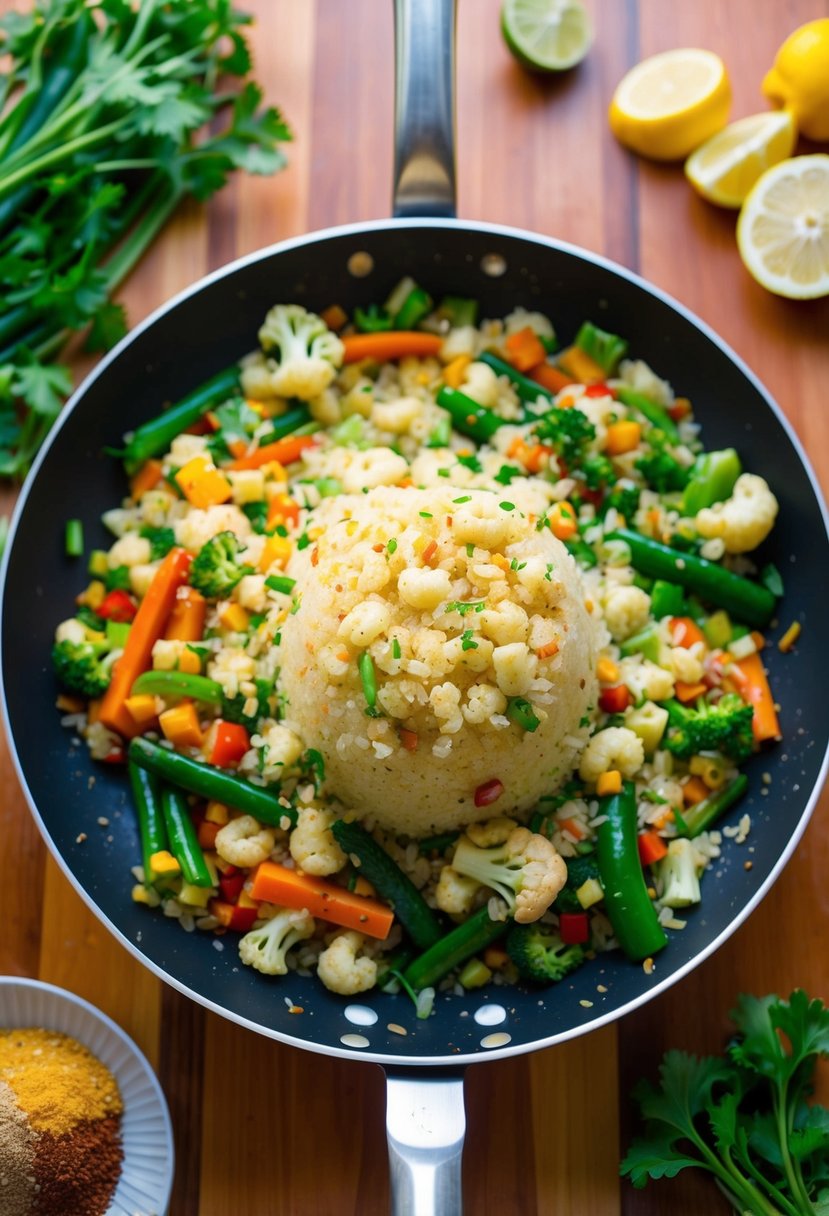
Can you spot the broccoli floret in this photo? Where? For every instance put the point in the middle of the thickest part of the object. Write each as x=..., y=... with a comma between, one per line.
x=678, y=871
x=662, y=472
x=724, y=727
x=266, y=948
x=603, y=348
x=90, y=619
x=302, y=353
x=597, y=471
x=525, y=870
x=233, y=708
x=540, y=955
x=84, y=667
x=257, y=513
x=161, y=541
x=215, y=570
x=567, y=430
x=625, y=498
x=580, y=870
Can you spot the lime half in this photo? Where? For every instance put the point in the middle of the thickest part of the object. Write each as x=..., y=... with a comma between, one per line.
x=546, y=35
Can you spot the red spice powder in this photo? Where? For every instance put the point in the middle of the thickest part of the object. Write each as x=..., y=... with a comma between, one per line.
x=77, y=1173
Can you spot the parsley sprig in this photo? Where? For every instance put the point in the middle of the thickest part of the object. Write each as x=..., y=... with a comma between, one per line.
x=745, y=1117
x=115, y=112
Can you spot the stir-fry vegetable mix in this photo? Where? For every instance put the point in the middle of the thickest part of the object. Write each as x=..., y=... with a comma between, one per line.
x=171, y=662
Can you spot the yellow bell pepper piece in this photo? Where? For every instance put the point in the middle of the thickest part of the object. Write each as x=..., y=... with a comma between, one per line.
x=202, y=484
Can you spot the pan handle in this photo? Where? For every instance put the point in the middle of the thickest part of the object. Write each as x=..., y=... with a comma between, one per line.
x=425, y=1124
x=424, y=104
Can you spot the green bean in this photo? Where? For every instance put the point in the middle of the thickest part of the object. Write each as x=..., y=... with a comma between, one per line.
x=526, y=388
x=626, y=898
x=184, y=843
x=410, y=908
x=289, y=423
x=73, y=542
x=703, y=815
x=436, y=844
x=414, y=308
x=178, y=684
x=475, y=934
x=749, y=602
x=656, y=415
x=468, y=416
x=458, y=311
x=151, y=829
x=712, y=479
x=209, y=782
x=155, y=436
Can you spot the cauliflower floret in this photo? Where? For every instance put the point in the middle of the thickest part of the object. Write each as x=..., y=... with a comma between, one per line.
x=626, y=610
x=480, y=383
x=396, y=416
x=745, y=519
x=130, y=550
x=445, y=700
x=141, y=577
x=515, y=668
x=312, y=844
x=266, y=948
x=364, y=470
x=301, y=355
x=198, y=526
x=491, y=831
x=506, y=623
x=525, y=870
x=639, y=375
x=365, y=622
x=482, y=701
x=423, y=588
x=244, y=842
x=326, y=408
x=462, y=340
x=343, y=969
x=686, y=666
x=455, y=894
x=520, y=319
x=615, y=747
x=278, y=746
x=646, y=679
x=71, y=631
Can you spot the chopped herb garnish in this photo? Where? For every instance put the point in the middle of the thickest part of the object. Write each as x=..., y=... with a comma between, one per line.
x=548, y=575
x=467, y=640
x=295, y=604
x=303, y=541
x=652, y=796
x=368, y=679
x=521, y=712
x=396, y=652
x=472, y=463
x=506, y=474
x=516, y=565
x=463, y=498
x=425, y=514
x=507, y=506
x=444, y=472
x=470, y=549
x=392, y=545
x=462, y=607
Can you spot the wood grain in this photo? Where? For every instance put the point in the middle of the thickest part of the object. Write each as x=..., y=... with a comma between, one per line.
x=265, y=1129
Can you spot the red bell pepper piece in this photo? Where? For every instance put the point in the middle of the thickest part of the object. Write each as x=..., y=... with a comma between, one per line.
x=117, y=605
x=231, y=886
x=574, y=928
x=230, y=742
x=599, y=390
x=231, y=916
x=615, y=700
x=207, y=833
x=489, y=792
x=652, y=847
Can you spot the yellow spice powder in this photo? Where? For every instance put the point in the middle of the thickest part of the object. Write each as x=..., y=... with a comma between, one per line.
x=56, y=1080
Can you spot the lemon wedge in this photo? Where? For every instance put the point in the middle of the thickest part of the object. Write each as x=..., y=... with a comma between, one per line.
x=670, y=103
x=727, y=165
x=783, y=229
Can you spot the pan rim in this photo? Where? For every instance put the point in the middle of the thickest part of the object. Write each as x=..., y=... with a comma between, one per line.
x=369, y=228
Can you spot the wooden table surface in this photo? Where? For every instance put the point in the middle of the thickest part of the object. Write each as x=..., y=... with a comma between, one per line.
x=265, y=1129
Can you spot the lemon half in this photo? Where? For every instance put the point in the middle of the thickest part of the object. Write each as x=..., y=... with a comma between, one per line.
x=783, y=229
x=727, y=165
x=668, y=104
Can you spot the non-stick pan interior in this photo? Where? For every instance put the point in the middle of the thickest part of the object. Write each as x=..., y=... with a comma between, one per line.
x=206, y=330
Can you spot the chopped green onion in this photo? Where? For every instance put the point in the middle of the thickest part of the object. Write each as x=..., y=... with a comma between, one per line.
x=74, y=538
x=521, y=712
x=281, y=583
x=396, y=652
x=392, y=545
x=467, y=640
x=368, y=678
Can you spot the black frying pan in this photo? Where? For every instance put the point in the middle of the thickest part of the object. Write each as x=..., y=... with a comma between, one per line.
x=204, y=330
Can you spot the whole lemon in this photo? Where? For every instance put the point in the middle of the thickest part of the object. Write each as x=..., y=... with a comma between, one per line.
x=799, y=78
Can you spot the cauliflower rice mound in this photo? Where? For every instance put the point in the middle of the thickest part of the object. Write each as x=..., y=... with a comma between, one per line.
x=452, y=595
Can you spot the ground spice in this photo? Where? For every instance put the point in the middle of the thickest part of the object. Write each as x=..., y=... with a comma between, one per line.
x=77, y=1173
x=56, y=1080
x=17, y=1157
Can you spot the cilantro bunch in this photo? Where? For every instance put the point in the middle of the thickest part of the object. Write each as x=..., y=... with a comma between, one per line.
x=745, y=1117
x=112, y=113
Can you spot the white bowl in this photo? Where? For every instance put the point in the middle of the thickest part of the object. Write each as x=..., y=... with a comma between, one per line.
x=147, y=1174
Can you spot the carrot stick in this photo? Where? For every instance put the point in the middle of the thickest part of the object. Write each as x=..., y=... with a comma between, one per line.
x=147, y=478
x=390, y=344
x=550, y=377
x=284, y=451
x=755, y=691
x=186, y=623
x=145, y=631
x=276, y=884
x=685, y=632
x=524, y=349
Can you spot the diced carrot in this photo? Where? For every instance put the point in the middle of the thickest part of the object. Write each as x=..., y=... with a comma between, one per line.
x=536, y=457
x=516, y=448
x=563, y=521
x=142, y=708
x=680, y=409
x=148, y=626
x=207, y=833
x=147, y=478
x=202, y=484
x=495, y=957
x=547, y=650
x=186, y=623
x=181, y=725
x=652, y=848
x=755, y=691
x=232, y=916
x=283, y=451
x=409, y=739
x=623, y=437
x=578, y=364
x=430, y=550
x=390, y=344
x=276, y=884
x=454, y=372
x=550, y=377
x=283, y=509
x=759, y=640
x=694, y=790
x=69, y=704
x=689, y=692
x=188, y=662
x=685, y=632
x=524, y=349
x=572, y=826
x=334, y=317
x=362, y=886
x=229, y=743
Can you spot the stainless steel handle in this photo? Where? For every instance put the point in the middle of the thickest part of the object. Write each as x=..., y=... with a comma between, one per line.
x=424, y=104
x=426, y=1124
